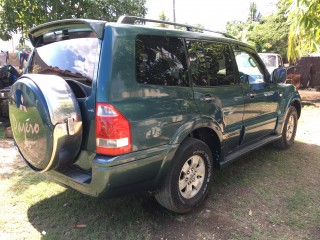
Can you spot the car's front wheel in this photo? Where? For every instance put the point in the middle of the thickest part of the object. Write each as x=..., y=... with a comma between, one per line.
x=289, y=130
x=186, y=185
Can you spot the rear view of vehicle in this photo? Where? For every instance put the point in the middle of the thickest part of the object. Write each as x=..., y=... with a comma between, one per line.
x=49, y=104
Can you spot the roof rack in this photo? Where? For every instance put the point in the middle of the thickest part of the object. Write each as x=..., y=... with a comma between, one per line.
x=133, y=20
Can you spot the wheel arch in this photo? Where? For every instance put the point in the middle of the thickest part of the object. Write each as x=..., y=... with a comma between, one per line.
x=211, y=138
x=297, y=104
x=205, y=130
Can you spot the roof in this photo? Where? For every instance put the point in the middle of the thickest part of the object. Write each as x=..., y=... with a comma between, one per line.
x=98, y=28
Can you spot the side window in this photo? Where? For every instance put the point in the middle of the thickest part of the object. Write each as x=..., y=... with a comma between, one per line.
x=219, y=63
x=250, y=70
x=210, y=63
x=197, y=60
x=161, y=61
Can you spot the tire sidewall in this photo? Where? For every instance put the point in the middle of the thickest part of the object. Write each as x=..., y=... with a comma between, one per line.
x=196, y=148
x=291, y=112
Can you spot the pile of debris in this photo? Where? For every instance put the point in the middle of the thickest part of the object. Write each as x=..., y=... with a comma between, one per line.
x=8, y=75
x=294, y=79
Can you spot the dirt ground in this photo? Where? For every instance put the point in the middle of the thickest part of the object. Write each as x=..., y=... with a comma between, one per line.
x=308, y=126
x=308, y=132
x=9, y=157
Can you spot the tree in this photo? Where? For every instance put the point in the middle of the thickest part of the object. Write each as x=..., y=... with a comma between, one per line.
x=269, y=34
x=162, y=17
x=20, y=16
x=254, y=15
x=237, y=29
x=304, y=32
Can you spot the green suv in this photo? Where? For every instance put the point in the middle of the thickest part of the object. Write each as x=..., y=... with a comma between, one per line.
x=113, y=108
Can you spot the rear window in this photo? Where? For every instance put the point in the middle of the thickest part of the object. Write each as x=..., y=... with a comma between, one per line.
x=75, y=59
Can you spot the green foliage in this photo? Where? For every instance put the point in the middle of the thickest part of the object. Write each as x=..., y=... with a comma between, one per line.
x=162, y=17
x=265, y=34
x=21, y=15
x=304, y=34
x=271, y=34
x=237, y=29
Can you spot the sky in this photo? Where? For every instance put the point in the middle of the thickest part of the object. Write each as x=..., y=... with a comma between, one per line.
x=9, y=45
x=211, y=14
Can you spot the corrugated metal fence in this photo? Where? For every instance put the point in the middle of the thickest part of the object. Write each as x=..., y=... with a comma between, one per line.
x=309, y=69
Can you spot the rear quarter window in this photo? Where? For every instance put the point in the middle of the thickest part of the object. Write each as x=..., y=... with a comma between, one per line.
x=161, y=61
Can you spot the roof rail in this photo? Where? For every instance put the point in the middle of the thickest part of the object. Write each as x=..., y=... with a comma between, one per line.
x=133, y=20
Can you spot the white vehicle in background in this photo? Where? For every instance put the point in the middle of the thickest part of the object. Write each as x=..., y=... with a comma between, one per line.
x=271, y=60
x=3, y=58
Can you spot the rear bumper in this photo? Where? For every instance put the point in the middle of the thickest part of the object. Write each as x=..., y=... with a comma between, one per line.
x=114, y=176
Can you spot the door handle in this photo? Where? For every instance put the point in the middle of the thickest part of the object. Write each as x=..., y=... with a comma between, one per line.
x=207, y=98
x=251, y=94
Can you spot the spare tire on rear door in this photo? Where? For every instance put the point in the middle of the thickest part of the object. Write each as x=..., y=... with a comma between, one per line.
x=46, y=121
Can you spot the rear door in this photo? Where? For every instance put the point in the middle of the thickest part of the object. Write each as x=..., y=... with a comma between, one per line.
x=261, y=98
x=218, y=97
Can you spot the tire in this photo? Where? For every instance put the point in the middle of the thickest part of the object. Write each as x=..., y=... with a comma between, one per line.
x=289, y=130
x=46, y=121
x=186, y=184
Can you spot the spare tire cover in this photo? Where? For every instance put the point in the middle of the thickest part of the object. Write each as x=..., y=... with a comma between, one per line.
x=45, y=120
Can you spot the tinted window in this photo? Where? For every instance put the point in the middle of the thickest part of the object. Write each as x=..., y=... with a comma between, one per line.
x=250, y=70
x=198, y=66
x=161, y=61
x=210, y=63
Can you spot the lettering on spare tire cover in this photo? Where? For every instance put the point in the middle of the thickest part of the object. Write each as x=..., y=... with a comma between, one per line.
x=24, y=126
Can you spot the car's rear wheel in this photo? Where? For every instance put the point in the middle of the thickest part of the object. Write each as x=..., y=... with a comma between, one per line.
x=289, y=130
x=186, y=185
x=46, y=121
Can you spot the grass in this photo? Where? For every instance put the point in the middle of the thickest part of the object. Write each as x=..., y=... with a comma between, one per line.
x=32, y=207
x=280, y=189
x=2, y=132
x=3, y=124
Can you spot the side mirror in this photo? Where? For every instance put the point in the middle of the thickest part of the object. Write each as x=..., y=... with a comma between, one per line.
x=279, y=75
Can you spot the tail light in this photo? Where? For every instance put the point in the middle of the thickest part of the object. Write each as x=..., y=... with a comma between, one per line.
x=113, y=133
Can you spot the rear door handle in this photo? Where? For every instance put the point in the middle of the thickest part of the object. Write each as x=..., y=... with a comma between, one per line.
x=251, y=94
x=207, y=98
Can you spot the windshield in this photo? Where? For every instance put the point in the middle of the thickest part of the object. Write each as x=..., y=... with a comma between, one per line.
x=74, y=58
